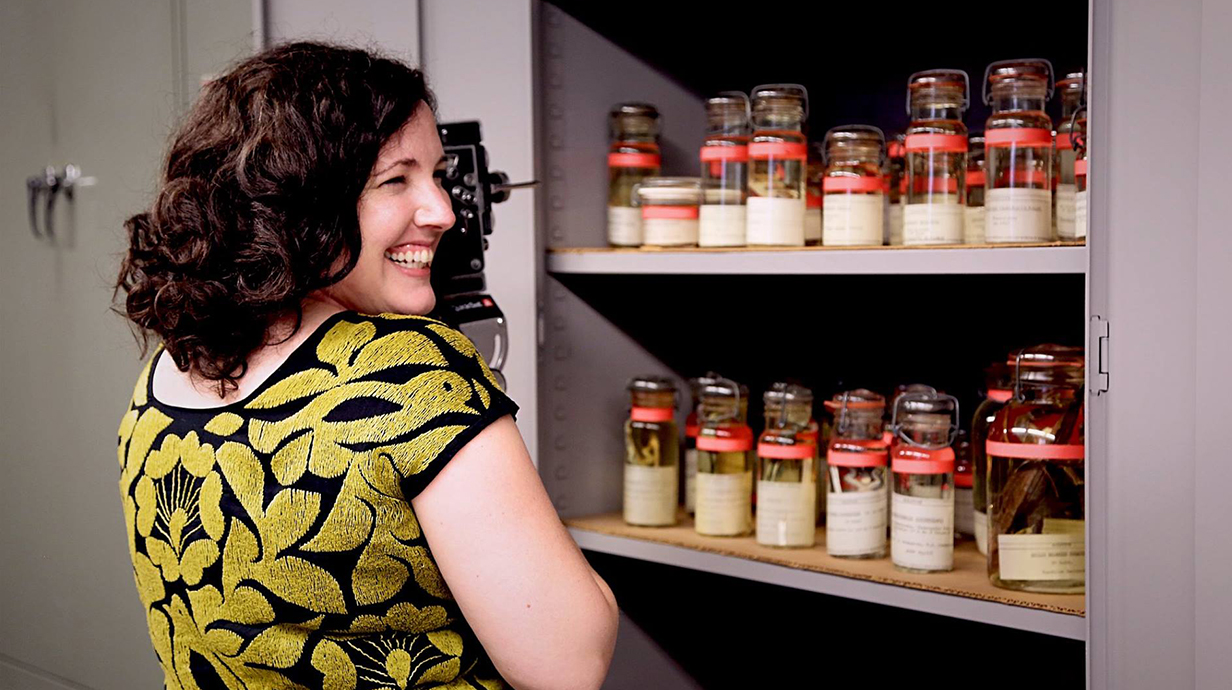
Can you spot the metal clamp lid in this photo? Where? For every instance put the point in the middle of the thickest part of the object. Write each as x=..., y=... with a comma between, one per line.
x=733, y=95
x=784, y=87
x=726, y=387
x=881, y=154
x=987, y=97
x=924, y=397
x=966, y=103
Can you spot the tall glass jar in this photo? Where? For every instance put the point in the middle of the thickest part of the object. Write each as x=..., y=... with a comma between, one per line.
x=1018, y=140
x=1070, y=89
x=1079, y=135
x=922, y=512
x=1037, y=528
x=651, y=454
x=725, y=171
x=857, y=483
x=778, y=155
x=973, y=214
x=852, y=187
x=964, y=492
x=692, y=429
x=669, y=210
x=812, y=195
x=632, y=157
x=724, y=463
x=895, y=188
x=936, y=164
x=787, y=470
x=997, y=392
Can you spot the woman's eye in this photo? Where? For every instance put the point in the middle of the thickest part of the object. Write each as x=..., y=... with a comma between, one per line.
x=439, y=176
x=394, y=180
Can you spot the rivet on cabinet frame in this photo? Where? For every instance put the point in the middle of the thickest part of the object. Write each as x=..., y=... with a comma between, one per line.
x=562, y=472
x=561, y=383
x=561, y=444
x=561, y=352
x=560, y=413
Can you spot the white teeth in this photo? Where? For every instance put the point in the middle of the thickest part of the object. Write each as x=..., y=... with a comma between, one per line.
x=417, y=258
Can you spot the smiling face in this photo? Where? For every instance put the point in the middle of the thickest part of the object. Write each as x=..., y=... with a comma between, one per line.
x=403, y=211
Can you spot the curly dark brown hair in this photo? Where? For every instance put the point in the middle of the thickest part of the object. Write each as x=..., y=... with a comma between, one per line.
x=257, y=204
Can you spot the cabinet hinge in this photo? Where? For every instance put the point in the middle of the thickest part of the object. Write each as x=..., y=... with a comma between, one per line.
x=1098, y=380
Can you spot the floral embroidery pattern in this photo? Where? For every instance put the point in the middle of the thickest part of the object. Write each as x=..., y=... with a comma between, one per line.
x=273, y=542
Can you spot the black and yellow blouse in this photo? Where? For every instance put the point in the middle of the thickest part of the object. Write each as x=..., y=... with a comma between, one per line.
x=273, y=540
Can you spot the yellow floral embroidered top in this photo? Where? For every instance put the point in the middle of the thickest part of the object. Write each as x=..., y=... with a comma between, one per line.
x=273, y=540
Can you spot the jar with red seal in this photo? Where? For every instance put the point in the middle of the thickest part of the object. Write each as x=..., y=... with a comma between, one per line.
x=669, y=210
x=692, y=428
x=895, y=188
x=936, y=157
x=652, y=451
x=1070, y=90
x=787, y=470
x=857, y=482
x=924, y=426
x=724, y=462
x=997, y=391
x=973, y=214
x=778, y=157
x=1080, y=197
x=812, y=195
x=632, y=157
x=964, y=494
x=852, y=187
x=1018, y=152
x=1035, y=446
x=725, y=171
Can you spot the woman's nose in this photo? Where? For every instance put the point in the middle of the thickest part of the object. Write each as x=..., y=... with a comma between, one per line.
x=437, y=212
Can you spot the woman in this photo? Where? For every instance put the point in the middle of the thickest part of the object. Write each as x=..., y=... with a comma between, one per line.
x=323, y=488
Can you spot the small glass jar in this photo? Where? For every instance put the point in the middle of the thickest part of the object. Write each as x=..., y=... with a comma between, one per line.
x=1018, y=142
x=1036, y=519
x=997, y=392
x=778, y=155
x=724, y=463
x=632, y=157
x=936, y=164
x=651, y=488
x=692, y=429
x=787, y=470
x=852, y=187
x=669, y=210
x=812, y=195
x=973, y=214
x=725, y=171
x=922, y=460
x=856, y=477
x=895, y=189
x=1080, y=197
x=1070, y=90
x=964, y=493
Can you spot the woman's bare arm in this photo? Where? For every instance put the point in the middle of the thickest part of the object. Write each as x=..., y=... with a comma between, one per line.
x=544, y=616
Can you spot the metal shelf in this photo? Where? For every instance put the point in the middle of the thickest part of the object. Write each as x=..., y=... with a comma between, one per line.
x=963, y=593
x=1059, y=257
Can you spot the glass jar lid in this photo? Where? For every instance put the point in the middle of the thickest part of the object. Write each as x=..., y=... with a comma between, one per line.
x=787, y=393
x=723, y=399
x=1048, y=365
x=975, y=144
x=634, y=118
x=1026, y=72
x=652, y=384
x=728, y=108
x=855, y=142
x=940, y=87
x=669, y=191
x=1072, y=85
x=923, y=413
x=780, y=100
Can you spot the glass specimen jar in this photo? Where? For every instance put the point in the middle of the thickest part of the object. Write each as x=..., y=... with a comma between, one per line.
x=651, y=488
x=632, y=157
x=852, y=188
x=725, y=171
x=669, y=210
x=787, y=470
x=936, y=157
x=895, y=188
x=812, y=195
x=778, y=155
x=1080, y=197
x=1036, y=487
x=857, y=481
x=964, y=494
x=922, y=461
x=997, y=392
x=1070, y=90
x=724, y=463
x=692, y=428
x=973, y=214
x=1018, y=152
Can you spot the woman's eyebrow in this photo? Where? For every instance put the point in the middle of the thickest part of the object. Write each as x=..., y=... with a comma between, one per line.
x=400, y=161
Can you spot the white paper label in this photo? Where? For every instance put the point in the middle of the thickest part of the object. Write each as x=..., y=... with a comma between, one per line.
x=939, y=222
x=690, y=479
x=786, y=513
x=964, y=510
x=1066, y=209
x=852, y=220
x=973, y=225
x=624, y=226
x=650, y=495
x=1080, y=213
x=812, y=225
x=922, y=532
x=721, y=225
x=778, y=222
x=669, y=232
x=856, y=522
x=724, y=503
x=981, y=531
x=1042, y=557
x=896, y=223
x=1018, y=215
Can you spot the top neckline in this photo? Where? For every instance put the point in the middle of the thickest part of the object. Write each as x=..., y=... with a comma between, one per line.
x=274, y=376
